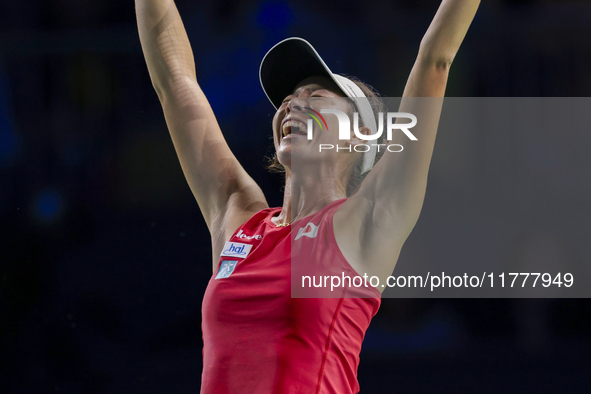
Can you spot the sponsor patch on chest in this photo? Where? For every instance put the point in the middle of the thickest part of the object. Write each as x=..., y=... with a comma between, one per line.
x=240, y=234
x=226, y=268
x=236, y=249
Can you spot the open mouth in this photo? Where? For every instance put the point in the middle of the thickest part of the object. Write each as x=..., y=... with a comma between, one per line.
x=294, y=127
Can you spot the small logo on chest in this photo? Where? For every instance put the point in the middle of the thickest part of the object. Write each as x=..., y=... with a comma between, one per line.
x=244, y=236
x=226, y=269
x=310, y=230
x=236, y=249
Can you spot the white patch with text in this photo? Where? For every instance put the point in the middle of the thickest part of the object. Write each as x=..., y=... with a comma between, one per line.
x=236, y=249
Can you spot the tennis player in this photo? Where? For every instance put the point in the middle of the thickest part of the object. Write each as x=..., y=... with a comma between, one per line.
x=344, y=209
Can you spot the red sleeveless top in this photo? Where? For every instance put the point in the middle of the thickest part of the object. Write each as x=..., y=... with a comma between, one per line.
x=257, y=338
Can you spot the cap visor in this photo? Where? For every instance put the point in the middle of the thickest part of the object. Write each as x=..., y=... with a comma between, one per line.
x=287, y=64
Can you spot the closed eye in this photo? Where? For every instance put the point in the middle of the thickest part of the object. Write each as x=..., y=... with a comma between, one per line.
x=322, y=99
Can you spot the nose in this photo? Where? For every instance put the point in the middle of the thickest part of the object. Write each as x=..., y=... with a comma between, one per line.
x=297, y=103
x=292, y=107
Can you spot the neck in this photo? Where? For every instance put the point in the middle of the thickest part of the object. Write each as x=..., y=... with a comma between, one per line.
x=306, y=195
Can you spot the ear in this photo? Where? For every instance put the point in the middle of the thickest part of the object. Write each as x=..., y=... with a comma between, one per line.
x=356, y=140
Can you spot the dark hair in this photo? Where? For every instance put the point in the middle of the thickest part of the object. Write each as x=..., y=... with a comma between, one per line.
x=355, y=178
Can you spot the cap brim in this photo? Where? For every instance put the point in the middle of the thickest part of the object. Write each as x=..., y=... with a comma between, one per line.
x=288, y=63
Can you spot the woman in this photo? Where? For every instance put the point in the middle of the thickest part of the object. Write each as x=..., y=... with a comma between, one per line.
x=257, y=337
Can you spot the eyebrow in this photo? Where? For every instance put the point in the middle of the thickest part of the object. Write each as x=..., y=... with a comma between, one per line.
x=309, y=88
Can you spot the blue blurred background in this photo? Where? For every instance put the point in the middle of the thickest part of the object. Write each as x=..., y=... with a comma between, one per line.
x=104, y=256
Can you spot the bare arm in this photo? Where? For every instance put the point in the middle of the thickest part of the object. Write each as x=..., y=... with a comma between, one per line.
x=399, y=180
x=390, y=199
x=226, y=194
x=438, y=48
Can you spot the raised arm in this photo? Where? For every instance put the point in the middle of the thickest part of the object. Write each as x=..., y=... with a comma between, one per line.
x=390, y=199
x=438, y=48
x=226, y=194
x=399, y=180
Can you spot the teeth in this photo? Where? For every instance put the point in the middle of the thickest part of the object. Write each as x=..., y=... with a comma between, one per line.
x=289, y=124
